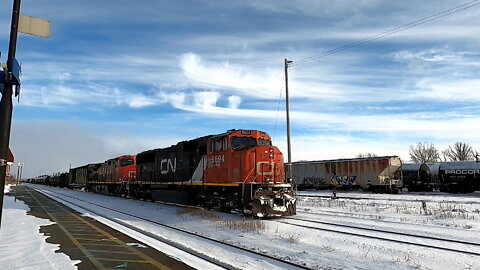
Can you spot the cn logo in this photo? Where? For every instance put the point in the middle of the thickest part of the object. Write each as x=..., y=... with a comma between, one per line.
x=166, y=165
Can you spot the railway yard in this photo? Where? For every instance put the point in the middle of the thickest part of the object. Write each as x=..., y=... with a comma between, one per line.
x=351, y=229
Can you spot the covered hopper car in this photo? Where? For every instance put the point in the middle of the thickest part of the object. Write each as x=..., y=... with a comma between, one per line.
x=378, y=174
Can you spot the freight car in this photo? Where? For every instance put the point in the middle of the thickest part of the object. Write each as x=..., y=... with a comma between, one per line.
x=417, y=177
x=79, y=177
x=459, y=176
x=378, y=174
x=59, y=180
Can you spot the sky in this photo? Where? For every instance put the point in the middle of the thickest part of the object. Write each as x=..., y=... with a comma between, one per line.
x=118, y=77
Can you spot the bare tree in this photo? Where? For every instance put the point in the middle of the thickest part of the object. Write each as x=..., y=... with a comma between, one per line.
x=366, y=155
x=423, y=153
x=459, y=151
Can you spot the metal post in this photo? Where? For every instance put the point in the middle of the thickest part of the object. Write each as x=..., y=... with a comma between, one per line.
x=289, y=157
x=16, y=187
x=6, y=102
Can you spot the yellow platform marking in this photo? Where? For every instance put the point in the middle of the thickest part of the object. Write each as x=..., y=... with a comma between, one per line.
x=109, y=237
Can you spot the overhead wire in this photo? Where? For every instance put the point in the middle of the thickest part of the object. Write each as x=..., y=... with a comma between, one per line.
x=389, y=32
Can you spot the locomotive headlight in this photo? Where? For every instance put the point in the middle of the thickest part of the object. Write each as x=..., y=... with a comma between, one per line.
x=271, y=150
x=271, y=155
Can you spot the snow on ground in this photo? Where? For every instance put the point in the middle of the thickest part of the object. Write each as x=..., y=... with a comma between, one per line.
x=446, y=216
x=22, y=246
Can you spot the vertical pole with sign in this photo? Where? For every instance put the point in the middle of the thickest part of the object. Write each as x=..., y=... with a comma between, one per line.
x=33, y=26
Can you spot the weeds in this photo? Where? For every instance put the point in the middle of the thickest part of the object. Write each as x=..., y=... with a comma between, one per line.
x=363, y=250
x=292, y=238
x=185, y=213
x=248, y=225
x=328, y=248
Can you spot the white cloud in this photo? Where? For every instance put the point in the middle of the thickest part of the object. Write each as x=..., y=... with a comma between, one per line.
x=234, y=102
x=452, y=92
x=227, y=77
x=206, y=100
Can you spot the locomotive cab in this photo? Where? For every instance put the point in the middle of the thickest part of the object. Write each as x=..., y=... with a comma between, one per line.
x=243, y=156
x=247, y=158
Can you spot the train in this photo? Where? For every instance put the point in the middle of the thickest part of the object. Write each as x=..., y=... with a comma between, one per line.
x=377, y=174
x=418, y=177
x=237, y=170
x=452, y=177
x=459, y=176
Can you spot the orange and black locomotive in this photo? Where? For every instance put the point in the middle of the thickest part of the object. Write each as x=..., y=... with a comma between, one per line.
x=237, y=170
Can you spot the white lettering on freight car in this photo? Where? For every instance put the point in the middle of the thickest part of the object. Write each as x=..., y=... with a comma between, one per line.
x=462, y=171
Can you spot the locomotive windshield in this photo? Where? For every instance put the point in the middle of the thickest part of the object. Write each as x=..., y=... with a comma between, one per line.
x=126, y=162
x=264, y=142
x=243, y=142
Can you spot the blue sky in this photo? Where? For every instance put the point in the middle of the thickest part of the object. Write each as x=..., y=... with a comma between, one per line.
x=121, y=77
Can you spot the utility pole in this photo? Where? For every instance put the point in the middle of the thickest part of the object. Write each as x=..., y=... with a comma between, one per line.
x=6, y=106
x=289, y=151
x=19, y=177
x=10, y=76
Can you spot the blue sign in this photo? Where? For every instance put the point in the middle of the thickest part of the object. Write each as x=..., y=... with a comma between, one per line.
x=16, y=71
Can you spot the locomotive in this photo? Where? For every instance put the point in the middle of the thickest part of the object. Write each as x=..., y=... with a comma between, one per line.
x=238, y=170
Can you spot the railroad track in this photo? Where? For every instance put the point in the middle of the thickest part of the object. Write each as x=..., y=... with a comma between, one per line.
x=366, y=217
x=274, y=260
x=341, y=196
x=463, y=247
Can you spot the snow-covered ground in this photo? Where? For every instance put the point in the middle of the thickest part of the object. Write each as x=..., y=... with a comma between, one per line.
x=442, y=216
x=21, y=244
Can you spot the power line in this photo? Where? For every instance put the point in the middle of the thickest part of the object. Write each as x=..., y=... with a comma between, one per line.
x=389, y=32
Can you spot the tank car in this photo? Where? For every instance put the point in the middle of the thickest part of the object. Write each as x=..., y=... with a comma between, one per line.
x=459, y=176
x=237, y=170
x=417, y=177
x=378, y=174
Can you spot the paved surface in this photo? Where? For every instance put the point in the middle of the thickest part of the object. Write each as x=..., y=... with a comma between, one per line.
x=96, y=245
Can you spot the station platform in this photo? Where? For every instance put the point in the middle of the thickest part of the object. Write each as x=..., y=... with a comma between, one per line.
x=96, y=245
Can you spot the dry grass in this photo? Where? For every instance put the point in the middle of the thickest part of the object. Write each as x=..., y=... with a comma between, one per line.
x=363, y=250
x=186, y=213
x=248, y=225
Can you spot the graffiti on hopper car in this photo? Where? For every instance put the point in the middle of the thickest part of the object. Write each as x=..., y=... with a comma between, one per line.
x=344, y=180
x=313, y=180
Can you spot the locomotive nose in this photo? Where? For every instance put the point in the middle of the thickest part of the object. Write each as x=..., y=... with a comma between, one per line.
x=269, y=164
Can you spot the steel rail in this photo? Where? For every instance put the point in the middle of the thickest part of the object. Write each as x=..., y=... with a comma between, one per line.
x=381, y=238
x=169, y=242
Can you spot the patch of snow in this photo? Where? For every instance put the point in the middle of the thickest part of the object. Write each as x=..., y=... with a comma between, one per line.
x=22, y=246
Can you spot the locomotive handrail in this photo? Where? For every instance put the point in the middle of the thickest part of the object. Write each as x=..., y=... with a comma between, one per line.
x=253, y=169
